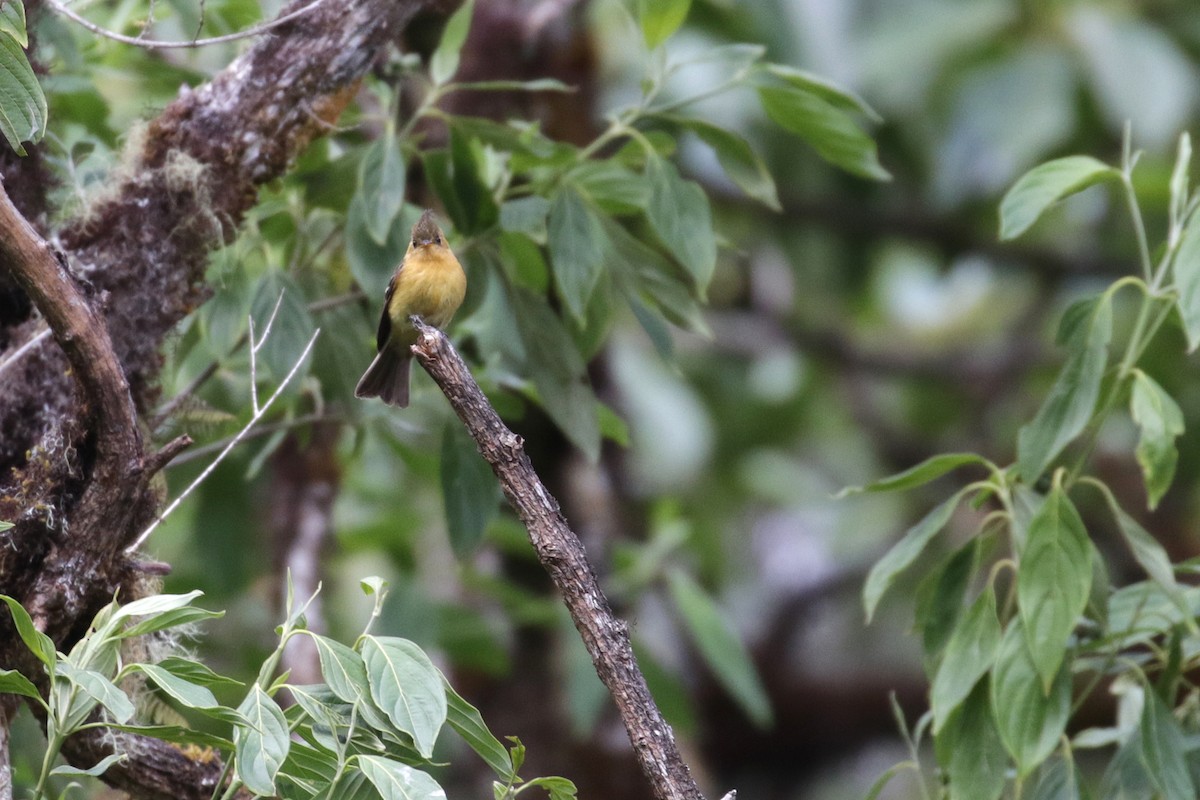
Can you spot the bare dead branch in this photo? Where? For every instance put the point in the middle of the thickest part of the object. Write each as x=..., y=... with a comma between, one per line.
x=561, y=553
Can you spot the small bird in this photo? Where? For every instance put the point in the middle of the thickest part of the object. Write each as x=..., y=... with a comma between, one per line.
x=429, y=283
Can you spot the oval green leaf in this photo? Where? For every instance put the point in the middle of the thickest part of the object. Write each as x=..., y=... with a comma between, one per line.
x=406, y=685
x=1030, y=720
x=1045, y=185
x=1160, y=422
x=261, y=744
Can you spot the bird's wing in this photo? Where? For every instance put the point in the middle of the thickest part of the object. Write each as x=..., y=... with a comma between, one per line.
x=385, y=319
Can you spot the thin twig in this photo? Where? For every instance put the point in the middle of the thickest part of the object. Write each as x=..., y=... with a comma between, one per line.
x=561, y=553
x=228, y=448
x=6, y=787
x=23, y=349
x=158, y=44
x=257, y=433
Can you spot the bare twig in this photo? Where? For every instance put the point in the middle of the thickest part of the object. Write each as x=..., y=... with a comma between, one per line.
x=6, y=788
x=561, y=553
x=258, y=412
x=258, y=432
x=23, y=349
x=158, y=44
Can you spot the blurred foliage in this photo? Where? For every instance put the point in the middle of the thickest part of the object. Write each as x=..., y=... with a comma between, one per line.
x=707, y=299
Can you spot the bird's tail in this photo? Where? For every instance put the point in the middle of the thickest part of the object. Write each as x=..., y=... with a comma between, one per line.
x=386, y=378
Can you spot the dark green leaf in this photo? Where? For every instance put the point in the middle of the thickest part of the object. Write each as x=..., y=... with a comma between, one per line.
x=578, y=248
x=1030, y=720
x=558, y=788
x=940, y=599
x=1145, y=548
x=1053, y=583
x=469, y=489
x=611, y=186
x=1069, y=406
x=13, y=682
x=1045, y=185
x=969, y=748
x=372, y=265
x=928, y=470
x=830, y=130
x=738, y=159
x=557, y=371
x=22, y=104
x=381, y=178
x=406, y=685
x=179, y=735
x=678, y=211
x=905, y=552
x=661, y=18
x=969, y=655
x=444, y=62
x=170, y=619
x=720, y=646
x=1160, y=422
x=1164, y=750
x=526, y=215
x=824, y=88
x=465, y=719
x=289, y=332
x=38, y=643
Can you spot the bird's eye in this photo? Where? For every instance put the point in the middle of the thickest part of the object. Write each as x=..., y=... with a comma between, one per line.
x=437, y=240
x=414, y=242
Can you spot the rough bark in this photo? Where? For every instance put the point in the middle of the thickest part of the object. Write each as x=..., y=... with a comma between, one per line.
x=561, y=553
x=74, y=470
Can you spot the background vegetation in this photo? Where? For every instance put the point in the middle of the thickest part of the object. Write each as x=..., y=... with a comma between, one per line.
x=707, y=305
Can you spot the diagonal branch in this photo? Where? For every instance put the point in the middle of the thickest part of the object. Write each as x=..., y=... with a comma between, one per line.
x=562, y=555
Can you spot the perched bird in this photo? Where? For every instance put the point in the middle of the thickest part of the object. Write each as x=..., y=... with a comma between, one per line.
x=429, y=283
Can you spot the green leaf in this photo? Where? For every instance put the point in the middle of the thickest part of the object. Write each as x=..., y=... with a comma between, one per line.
x=824, y=88
x=558, y=788
x=611, y=186
x=372, y=265
x=466, y=721
x=381, y=179
x=680, y=215
x=98, y=769
x=182, y=691
x=526, y=215
x=444, y=62
x=155, y=605
x=13, y=682
x=1187, y=280
x=170, y=619
x=179, y=735
x=905, y=552
x=195, y=672
x=535, y=85
x=928, y=470
x=469, y=489
x=1069, y=406
x=940, y=598
x=22, y=103
x=661, y=18
x=969, y=748
x=1160, y=422
x=396, y=781
x=743, y=166
x=12, y=21
x=828, y=129
x=292, y=328
x=406, y=685
x=1179, y=177
x=1057, y=779
x=1164, y=750
x=1146, y=549
x=5, y=526
x=577, y=248
x=1045, y=185
x=100, y=689
x=720, y=646
x=1030, y=720
x=38, y=643
x=261, y=744
x=342, y=668
x=557, y=371
x=1053, y=583
x=970, y=654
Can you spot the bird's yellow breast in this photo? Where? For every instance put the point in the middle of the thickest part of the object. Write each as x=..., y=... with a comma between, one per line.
x=431, y=285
